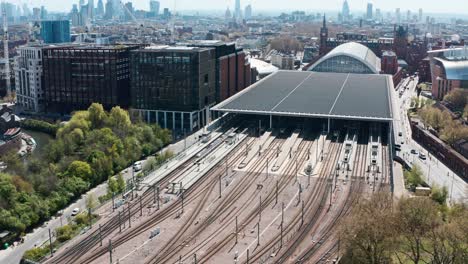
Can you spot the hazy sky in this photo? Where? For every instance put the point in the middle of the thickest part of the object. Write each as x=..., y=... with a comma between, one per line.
x=434, y=6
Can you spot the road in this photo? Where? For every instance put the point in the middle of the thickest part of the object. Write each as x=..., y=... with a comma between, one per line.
x=435, y=172
x=40, y=235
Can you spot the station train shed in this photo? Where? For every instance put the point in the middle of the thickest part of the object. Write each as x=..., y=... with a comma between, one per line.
x=332, y=99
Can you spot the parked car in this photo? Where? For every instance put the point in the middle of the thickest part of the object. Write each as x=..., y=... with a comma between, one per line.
x=422, y=156
x=75, y=211
x=415, y=152
x=137, y=166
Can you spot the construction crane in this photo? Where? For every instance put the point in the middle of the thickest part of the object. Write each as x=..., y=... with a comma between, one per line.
x=140, y=25
x=6, y=51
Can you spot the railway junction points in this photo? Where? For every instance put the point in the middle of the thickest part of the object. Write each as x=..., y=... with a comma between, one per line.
x=269, y=186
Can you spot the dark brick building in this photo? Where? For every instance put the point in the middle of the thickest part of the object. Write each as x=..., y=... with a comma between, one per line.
x=76, y=76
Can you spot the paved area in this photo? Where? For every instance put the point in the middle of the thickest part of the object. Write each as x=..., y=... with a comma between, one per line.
x=40, y=235
x=435, y=172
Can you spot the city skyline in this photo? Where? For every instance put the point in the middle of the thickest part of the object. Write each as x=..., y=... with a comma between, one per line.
x=356, y=6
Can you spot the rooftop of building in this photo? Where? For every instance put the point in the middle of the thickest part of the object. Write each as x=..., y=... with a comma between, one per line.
x=356, y=51
x=316, y=94
x=454, y=61
x=165, y=48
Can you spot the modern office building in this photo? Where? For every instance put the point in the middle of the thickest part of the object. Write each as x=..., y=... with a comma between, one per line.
x=345, y=11
x=55, y=31
x=233, y=71
x=370, y=9
x=237, y=10
x=449, y=70
x=154, y=8
x=76, y=76
x=248, y=12
x=29, y=78
x=174, y=86
x=350, y=57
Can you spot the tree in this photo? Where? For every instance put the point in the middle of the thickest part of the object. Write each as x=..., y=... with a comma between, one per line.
x=120, y=182
x=458, y=98
x=367, y=234
x=90, y=201
x=286, y=44
x=465, y=112
x=97, y=115
x=120, y=121
x=453, y=131
x=433, y=117
x=414, y=177
x=416, y=218
x=112, y=186
x=80, y=169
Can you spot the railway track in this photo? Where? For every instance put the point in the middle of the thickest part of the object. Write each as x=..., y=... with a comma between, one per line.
x=222, y=207
x=246, y=221
x=327, y=238
x=85, y=246
x=314, y=208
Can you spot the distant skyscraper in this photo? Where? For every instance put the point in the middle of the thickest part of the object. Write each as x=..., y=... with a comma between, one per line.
x=378, y=14
x=154, y=8
x=370, y=8
x=248, y=12
x=100, y=8
x=81, y=4
x=408, y=15
x=397, y=16
x=237, y=10
x=55, y=31
x=345, y=11
x=420, y=15
x=128, y=11
x=75, y=16
x=91, y=9
x=227, y=14
x=43, y=13
x=109, y=10
x=26, y=10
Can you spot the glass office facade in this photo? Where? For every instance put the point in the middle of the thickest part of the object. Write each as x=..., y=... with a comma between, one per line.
x=76, y=77
x=342, y=64
x=173, y=80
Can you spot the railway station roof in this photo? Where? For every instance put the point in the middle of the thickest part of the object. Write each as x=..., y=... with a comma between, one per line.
x=316, y=94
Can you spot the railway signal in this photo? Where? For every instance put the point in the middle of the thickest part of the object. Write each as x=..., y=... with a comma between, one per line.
x=276, y=193
x=157, y=191
x=50, y=244
x=237, y=230
x=100, y=235
x=219, y=179
x=141, y=208
x=129, y=217
x=113, y=204
x=110, y=251
x=302, y=213
x=120, y=223
x=260, y=210
x=258, y=234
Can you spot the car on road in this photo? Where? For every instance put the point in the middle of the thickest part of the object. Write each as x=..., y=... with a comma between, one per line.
x=397, y=147
x=422, y=156
x=400, y=134
x=415, y=152
x=137, y=166
x=75, y=211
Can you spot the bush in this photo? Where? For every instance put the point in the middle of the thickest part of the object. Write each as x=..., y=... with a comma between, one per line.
x=64, y=233
x=439, y=195
x=36, y=254
x=40, y=126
